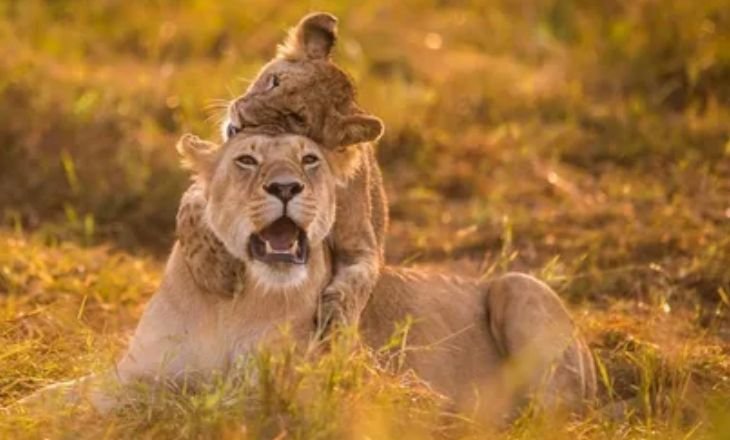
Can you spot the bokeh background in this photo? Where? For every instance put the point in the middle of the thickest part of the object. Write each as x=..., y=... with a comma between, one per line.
x=586, y=142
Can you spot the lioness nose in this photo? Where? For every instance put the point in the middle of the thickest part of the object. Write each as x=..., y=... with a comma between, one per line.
x=284, y=191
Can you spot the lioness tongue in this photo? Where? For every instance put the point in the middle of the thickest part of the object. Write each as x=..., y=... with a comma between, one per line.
x=281, y=234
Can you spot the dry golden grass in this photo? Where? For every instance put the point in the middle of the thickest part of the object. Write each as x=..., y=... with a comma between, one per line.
x=585, y=142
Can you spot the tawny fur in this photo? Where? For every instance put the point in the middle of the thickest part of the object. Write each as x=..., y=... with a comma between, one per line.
x=485, y=344
x=303, y=92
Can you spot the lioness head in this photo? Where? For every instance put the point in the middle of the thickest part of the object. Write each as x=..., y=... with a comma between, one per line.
x=303, y=92
x=270, y=200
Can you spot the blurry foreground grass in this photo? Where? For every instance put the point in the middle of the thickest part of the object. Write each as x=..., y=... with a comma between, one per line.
x=66, y=311
x=585, y=142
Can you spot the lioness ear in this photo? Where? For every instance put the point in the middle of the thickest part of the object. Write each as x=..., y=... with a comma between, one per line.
x=355, y=129
x=197, y=154
x=312, y=38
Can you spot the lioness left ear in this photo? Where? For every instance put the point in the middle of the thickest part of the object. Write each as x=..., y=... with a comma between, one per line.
x=197, y=154
x=313, y=38
x=355, y=129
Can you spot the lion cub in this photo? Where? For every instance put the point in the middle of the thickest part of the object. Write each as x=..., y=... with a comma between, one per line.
x=303, y=92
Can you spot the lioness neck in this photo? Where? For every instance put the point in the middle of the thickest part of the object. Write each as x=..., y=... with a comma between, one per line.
x=265, y=311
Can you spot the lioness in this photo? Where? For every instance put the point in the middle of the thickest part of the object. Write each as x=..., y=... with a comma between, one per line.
x=480, y=343
x=303, y=92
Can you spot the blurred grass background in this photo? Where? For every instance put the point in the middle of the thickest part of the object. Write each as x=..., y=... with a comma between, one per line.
x=586, y=142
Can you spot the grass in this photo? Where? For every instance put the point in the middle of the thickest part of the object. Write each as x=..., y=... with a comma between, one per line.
x=68, y=309
x=587, y=143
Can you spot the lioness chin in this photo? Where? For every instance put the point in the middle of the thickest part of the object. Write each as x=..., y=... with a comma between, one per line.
x=271, y=202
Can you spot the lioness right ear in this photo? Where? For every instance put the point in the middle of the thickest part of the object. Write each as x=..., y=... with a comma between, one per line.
x=313, y=38
x=197, y=154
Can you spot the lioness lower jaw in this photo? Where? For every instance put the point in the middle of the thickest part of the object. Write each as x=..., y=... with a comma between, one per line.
x=277, y=276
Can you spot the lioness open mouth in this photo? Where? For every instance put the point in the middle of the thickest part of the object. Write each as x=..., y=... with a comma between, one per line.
x=280, y=242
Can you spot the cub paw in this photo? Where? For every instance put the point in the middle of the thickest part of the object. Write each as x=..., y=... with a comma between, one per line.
x=330, y=313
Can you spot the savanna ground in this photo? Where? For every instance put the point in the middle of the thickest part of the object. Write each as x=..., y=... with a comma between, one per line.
x=586, y=142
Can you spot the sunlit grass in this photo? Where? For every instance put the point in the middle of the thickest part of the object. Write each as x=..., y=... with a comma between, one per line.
x=66, y=312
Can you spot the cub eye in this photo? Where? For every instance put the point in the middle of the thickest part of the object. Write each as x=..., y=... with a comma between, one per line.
x=273, y=81
x=246, y=161
x=232, y=130
x=310, y=159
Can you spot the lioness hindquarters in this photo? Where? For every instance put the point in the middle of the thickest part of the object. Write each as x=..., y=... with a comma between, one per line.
x=484, y=345
x=544, y=355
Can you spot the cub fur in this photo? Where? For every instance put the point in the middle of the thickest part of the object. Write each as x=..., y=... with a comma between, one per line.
x=303, y=92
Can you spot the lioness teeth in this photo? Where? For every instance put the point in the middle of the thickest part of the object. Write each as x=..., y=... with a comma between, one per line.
x=293, y=249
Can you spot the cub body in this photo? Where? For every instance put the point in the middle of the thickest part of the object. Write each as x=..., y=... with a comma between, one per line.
x=303, y=92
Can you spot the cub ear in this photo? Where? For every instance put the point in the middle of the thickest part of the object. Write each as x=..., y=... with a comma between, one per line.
x=354, y=129
x=197, y=154
x=313, y=38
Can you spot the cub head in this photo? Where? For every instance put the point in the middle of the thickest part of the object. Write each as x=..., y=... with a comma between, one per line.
x=269, y=199
x=302, y=91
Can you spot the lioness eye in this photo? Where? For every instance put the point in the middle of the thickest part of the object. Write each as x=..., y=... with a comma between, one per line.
x=232, y=130
x=310, y=159
x=246, y=160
